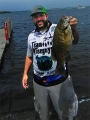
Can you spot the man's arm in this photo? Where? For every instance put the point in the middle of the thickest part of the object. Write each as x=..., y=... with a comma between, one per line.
x=75, y=35
x=28, y=63
x=73, y=24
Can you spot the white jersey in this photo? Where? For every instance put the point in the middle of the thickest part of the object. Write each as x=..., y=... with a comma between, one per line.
x=39, y=48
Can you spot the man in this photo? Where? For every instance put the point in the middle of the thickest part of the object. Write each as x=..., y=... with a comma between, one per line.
x=46, y=85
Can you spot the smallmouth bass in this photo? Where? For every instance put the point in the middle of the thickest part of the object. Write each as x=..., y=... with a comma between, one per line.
x=62, y=41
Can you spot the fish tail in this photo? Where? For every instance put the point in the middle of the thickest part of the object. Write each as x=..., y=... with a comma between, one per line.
x=60, y=71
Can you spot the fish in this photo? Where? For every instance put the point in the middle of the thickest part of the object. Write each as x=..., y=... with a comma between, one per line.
x=62, y=40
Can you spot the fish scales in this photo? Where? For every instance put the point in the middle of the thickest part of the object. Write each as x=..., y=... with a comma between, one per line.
x=62, y=41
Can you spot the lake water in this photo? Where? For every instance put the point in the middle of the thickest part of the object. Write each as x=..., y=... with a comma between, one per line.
x=14, y=58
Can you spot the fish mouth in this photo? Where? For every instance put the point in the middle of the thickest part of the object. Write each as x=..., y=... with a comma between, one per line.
x=66, y=18
x=64, y=23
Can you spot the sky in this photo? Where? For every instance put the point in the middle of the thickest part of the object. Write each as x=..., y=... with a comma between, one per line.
x=20, y=5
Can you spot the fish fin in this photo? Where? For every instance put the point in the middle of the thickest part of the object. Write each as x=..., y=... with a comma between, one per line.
x=72, y=38
x=57, y=71
x=53, y=55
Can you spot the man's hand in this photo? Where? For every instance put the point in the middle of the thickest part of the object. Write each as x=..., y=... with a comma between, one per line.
x=73, y=22
x=24, y=81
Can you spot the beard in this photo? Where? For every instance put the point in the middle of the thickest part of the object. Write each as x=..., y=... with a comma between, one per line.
x=45, y=24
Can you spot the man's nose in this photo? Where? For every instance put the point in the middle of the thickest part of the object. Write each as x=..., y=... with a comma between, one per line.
x=38, y=17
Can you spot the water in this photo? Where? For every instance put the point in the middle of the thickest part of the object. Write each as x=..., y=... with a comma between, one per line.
x=11, y=90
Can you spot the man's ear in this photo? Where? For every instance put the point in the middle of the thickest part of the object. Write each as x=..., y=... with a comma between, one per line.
x=47, y=15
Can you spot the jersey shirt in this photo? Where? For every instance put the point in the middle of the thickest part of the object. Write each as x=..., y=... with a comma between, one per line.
x=39, y=48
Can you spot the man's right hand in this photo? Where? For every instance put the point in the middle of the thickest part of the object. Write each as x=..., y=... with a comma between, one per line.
x=24, y=81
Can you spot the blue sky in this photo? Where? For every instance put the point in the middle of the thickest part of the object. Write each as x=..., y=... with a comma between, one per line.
x=19, y=5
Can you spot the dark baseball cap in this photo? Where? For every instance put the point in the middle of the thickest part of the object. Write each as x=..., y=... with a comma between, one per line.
x=38, y=9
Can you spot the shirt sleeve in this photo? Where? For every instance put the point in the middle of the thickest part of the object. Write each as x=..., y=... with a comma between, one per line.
x=29, y=49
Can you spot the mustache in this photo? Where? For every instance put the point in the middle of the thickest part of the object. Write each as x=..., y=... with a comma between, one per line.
x=39, y=21
x=45, y=24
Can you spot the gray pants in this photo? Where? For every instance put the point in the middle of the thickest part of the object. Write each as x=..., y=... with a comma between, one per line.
x=62, y=96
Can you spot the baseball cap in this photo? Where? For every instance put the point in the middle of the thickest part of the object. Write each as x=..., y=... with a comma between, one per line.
x=38, y=9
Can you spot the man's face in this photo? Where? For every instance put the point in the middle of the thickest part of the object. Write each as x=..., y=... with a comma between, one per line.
x=40, y=20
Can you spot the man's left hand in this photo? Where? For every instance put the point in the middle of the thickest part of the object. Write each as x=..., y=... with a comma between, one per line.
x=73, y=22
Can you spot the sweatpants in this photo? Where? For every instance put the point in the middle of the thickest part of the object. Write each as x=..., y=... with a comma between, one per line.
x=62, y=96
